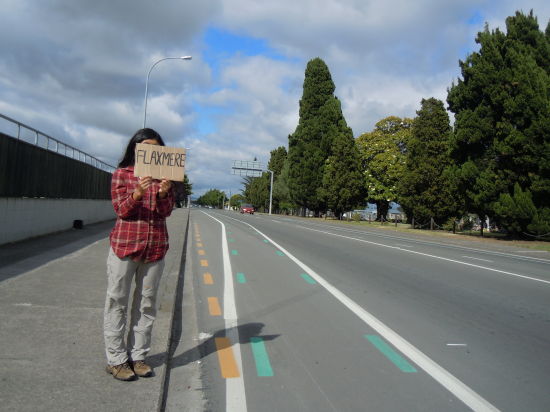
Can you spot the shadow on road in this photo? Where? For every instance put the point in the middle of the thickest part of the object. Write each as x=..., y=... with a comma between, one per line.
x=20, y=257
x=208, y=346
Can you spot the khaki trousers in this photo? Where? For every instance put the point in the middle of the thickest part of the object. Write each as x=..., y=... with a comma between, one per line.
x=143, y=312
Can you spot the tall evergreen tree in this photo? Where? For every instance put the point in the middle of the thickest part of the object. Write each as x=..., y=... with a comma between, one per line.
x=281, y=192
x=426, y=190
x=342, y=180
x=276, y=164
x=382, y=154
x=502, y=128
x=258, y=192
x=277, y=160
x=321, y=120
x=182, y=190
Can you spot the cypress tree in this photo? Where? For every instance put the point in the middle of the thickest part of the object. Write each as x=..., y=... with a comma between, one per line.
x=516, y=211
x=321, y=120
x=257, y=192
x=502, y=128
x=277, y=160
x=425, y=190
x=342, y=179
x=281, y=191
x=276, y=164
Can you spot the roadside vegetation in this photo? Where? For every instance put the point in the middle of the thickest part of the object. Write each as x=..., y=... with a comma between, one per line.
x=490, y=168
x=469, y=235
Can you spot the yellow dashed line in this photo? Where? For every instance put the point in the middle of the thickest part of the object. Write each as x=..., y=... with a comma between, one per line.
x=201, y=252
x=214, y=307
x=228, y=365
x=208, y=279
x=199, y=244
x=204, y=262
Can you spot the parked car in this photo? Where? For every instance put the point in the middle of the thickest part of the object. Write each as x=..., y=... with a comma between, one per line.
x=247, y=209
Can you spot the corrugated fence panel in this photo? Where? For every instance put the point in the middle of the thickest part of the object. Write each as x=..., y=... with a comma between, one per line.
x=30, y=171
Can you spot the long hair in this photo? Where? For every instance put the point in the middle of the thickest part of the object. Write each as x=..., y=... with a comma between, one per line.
x=129, y=157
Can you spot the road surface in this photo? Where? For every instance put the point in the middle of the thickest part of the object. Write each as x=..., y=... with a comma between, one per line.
x=294, y=315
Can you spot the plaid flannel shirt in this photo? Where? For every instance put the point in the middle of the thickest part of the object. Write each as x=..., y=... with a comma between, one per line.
x=140, y=229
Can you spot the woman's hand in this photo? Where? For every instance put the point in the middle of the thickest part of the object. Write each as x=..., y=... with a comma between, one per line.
x=165, y=186
x=143, y=184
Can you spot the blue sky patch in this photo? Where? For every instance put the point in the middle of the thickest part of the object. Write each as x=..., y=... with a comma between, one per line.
x=476, y=19
x=206, y=117
x=221, y=44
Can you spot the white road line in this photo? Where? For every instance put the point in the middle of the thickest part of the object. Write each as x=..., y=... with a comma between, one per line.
x=235, y=395
x=429, y=255
x=471, y=257
x=453, y=385
x=434, y=256
x=425, y=242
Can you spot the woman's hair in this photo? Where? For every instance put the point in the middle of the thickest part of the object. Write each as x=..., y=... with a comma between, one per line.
x=142, y=134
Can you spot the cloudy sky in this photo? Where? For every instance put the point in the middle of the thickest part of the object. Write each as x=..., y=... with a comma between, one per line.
x=76, y=69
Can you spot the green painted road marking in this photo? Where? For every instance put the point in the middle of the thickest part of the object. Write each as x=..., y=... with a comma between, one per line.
x=280, y=253
x=263, y=367
x=234, y=252
x=266, y=241
x=241, y=278
x=228, y=232
x=308, y=279
x=389, y=353
x=231, y=239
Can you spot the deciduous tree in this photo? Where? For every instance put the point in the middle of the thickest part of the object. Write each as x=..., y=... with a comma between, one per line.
x=213, y=198
x=382, y=154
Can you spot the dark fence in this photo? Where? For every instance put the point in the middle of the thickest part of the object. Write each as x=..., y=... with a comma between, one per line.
x=30, y=171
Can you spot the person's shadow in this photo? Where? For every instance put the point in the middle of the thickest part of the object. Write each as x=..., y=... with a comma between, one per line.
x=208, y=346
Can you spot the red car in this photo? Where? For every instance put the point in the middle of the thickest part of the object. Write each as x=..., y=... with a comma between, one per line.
x=247, y=209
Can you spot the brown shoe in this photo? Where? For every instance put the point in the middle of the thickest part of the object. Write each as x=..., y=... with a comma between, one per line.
x=122, y=372
x=142, y=369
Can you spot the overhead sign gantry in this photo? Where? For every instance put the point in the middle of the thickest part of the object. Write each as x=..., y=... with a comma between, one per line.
x=252, y=168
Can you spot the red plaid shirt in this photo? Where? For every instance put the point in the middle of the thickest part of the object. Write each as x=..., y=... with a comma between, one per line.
x=140, y=229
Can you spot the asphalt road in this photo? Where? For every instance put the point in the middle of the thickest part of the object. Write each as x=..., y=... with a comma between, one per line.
x=292, y=315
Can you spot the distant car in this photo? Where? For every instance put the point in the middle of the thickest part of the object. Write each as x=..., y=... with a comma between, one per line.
x=247, y=209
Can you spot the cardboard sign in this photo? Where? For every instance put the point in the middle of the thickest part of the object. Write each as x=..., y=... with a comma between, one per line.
x=159, y=162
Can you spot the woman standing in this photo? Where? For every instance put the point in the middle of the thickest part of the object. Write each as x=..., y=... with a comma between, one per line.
x=139, y=242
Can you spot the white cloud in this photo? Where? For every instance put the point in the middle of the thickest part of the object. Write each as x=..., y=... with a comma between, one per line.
x=76, y=69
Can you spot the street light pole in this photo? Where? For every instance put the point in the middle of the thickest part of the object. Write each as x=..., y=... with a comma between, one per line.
x=147, y=81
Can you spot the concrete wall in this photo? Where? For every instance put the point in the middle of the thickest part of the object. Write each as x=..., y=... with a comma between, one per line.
x=22, y=218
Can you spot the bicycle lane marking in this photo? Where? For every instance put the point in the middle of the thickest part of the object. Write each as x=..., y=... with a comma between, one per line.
x=226, y=358
x=459, y=389
x=235, y=395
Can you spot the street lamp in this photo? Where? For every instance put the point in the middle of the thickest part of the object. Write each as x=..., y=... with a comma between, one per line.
x=147, y=81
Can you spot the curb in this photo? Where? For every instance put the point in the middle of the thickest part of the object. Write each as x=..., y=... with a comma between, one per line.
x=176, y=302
